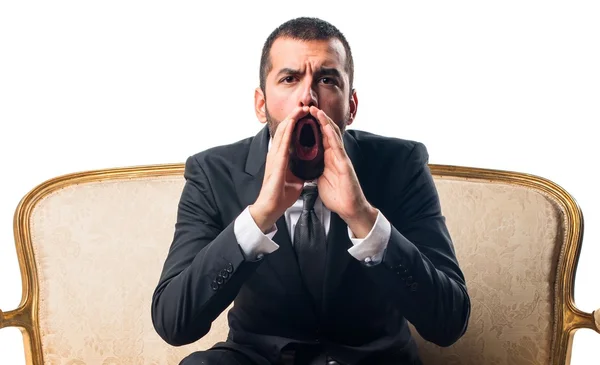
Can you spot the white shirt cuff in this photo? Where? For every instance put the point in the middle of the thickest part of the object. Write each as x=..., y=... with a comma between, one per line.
x=253, y=242
x=370, y=249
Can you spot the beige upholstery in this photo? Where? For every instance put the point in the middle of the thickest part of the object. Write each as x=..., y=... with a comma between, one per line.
x=100, y=248
x=507, y=240
x=98, y=242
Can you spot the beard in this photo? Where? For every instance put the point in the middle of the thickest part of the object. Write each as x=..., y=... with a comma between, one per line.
x=306, y=159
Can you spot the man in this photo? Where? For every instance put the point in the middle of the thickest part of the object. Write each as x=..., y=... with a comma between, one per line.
x=325, y=271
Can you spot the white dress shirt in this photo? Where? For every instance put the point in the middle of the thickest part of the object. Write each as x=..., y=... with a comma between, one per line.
x=254, y=243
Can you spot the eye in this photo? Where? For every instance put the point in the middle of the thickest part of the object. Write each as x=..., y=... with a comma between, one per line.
x=287, y=79
x=328, y=81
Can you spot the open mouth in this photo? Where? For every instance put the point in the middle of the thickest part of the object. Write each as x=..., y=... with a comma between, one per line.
x=306, y=138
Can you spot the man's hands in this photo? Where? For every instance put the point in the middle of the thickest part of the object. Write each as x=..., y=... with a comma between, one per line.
x=338, y=187
x=280, y=188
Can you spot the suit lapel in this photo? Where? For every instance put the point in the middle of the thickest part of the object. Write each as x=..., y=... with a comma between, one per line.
x=284, y=262
x=338, y=240
x=248, y=187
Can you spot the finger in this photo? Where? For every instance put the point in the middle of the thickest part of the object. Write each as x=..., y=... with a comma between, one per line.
x=324, y=119
x=281, y=155
x=278, y=155
x=297, y=113
x=335, y=143
x=329, y=141
x=314, y=111
x=278, y=133
x=284, y=148
x=323, y=122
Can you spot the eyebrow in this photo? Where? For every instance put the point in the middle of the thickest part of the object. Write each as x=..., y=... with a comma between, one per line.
x=326, y=71
x=288, y=71
x=323, y=71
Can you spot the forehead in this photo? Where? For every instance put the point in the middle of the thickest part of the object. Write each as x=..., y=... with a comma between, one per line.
x=293, y=53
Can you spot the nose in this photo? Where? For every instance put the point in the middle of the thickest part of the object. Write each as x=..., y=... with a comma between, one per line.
x=308, y=96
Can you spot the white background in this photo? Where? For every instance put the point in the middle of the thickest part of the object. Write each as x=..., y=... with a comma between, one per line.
x=512, y=85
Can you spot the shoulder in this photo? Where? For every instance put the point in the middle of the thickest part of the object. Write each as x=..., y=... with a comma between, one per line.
x=393, y=171
x=375, y=147
x=230, y=155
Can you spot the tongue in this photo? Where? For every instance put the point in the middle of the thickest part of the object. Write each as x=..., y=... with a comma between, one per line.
x=307, y=153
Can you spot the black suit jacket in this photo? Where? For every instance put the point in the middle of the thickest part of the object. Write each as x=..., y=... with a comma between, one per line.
x=364, y=312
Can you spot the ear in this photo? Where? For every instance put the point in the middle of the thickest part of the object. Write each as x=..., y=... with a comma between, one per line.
x=353, y=106
x=260, y=105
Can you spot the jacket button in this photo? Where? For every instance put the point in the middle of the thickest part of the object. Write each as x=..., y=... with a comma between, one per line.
x=214, y=285
x=220, y=280
x=230, y=268
x=414, y=287
x=409, y=280
x=224, y=274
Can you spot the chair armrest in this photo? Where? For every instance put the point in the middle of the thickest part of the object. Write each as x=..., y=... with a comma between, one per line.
x=2, y=320
x=10, y=319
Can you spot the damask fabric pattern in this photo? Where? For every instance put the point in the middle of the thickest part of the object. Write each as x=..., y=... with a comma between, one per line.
x=99, y=249
x=99, y=252
x=508, y=240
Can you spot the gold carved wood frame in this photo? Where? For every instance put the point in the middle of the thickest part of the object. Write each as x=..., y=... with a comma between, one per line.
x=568, y=318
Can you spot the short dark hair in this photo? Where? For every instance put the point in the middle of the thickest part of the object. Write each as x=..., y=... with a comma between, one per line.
x=304, y=29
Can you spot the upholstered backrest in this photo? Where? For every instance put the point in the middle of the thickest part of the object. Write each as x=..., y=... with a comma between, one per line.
x=99, y=249
x=508, y=240
x=92, y=245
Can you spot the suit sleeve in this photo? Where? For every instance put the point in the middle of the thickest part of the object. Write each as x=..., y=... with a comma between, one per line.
x=419, y=267
x=204, y=268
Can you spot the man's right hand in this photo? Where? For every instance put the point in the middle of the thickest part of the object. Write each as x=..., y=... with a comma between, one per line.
x=280, y=188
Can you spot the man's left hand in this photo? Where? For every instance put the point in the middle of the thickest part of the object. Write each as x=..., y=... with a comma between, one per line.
x=338, y=186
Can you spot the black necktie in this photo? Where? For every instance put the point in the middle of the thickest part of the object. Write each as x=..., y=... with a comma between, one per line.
x=310, y=245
